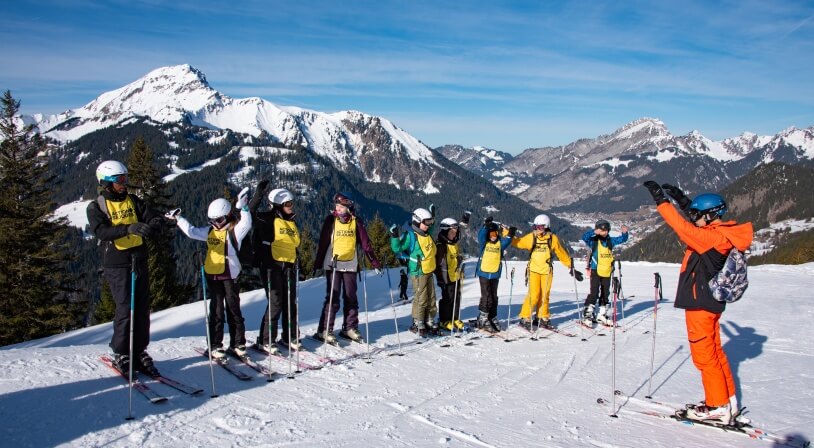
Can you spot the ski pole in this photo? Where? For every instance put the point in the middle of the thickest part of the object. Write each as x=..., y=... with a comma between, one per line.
x=329, y=310
x=297, y=306
x=509, y=314
x=395, y=318
x=657, y=295
x=202, y=291
x=456, y=313
x=367, y=317
x=287, y=272
x=621, y=291
x=578, y=303
x=268, y=316
x=616, y=288
x=132, y=315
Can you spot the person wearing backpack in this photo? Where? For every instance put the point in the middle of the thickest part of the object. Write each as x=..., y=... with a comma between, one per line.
x=600, y=268
x=418, y=247
x=342, y=233
x=492, y=245
x=122, y=222
x=224, y=236
x=542, y=244
x=709, y=241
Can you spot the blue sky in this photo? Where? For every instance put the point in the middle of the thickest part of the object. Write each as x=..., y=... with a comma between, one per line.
x=507, y=75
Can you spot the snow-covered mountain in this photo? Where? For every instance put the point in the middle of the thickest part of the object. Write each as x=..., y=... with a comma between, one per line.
x=353, y=141
x=577, y=175
x=484, y=161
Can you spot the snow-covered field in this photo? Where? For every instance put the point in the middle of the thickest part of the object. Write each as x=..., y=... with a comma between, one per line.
x=524, y=393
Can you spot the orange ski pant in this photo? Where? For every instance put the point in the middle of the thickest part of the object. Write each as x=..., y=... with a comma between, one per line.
x=539, y=292
x=704, y=335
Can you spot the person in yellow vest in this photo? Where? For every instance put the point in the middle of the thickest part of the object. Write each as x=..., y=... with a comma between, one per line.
x=341, y=235
x=417, y=246
x=223, y=239
x=600, y=268
x=492, y=247
x=277, y=241
x=542, y=245
x=448, y=260
x=121, y=222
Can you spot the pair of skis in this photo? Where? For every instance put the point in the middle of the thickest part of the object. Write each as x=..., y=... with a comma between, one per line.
x=147, y=391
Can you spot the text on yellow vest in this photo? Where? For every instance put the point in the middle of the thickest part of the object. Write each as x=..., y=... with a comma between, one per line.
x=604, y=262
x=215, y=252
x=124, y=212
x=286, y=241
x=428, y=250
x=490, y=259
x=344, y=240
x=452, y=262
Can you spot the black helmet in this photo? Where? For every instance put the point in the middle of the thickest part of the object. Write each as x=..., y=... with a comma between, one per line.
x=343, y=199
x=602, y=225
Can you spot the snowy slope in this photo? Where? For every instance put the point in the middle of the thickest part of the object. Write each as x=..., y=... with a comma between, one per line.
x=491, y=394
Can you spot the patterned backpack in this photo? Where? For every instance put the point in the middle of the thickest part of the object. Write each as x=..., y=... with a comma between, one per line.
x=731, y=282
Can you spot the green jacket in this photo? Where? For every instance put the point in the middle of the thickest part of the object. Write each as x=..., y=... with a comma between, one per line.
x=406, y=244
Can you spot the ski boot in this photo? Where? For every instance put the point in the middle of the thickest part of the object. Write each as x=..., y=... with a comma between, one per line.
x=326, y=337
x=121, y=363
x=721, y=415
x=602, y=318
x=145, y=365
x=545, y=323
x=459, y=324
x=239, y=350
x=266, y=348
x=483, y=322
x=291, y=345
x=495, y=324
x=217, y=353
x=433, y=329
x=588, y=316
x=352, y=334
x=525, y=323
x=447, y=325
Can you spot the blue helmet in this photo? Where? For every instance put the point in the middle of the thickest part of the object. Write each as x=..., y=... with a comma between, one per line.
x=707, y=204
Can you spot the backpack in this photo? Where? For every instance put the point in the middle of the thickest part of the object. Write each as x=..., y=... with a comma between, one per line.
x=731, y=282
x=246, y=252
x=403, y=257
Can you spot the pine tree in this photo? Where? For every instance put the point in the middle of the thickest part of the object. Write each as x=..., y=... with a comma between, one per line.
x=165, y=290
x=307, y=252
x=36, y=296
x=380, y=240
x=106, y=308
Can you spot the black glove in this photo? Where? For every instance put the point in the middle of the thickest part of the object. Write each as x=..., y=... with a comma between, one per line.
x=394, y=231
x=674, y=192
x=488, y=220
x=465, y=218
x=140, y=229
x=432, y=210
x=263, y=187
x=576, y=274
x=512, y=231
x=655, y=191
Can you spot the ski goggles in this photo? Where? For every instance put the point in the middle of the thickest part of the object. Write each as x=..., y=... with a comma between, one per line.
x=428, y=222
x=120, y=179
x=539, y=227
x=219, y=222
x=288, y=204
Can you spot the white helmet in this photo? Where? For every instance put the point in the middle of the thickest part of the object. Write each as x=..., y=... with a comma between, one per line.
x=542, y=220
x=449, y=223
x=280, y=196
x=420, y=215
x=218, y=208
x=109, y=170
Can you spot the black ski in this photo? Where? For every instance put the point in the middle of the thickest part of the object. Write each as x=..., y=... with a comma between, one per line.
x=175, y=384
x=226, y=366
x=140, y=387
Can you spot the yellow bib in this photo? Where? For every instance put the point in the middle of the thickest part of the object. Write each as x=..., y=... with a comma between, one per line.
x=124, y=212
x=452, y=262
x=604, y=262
x=427, y=246
x=490, y=259
x=541, y=256
x=215, y=252
x=344, y=243
x=286, y=241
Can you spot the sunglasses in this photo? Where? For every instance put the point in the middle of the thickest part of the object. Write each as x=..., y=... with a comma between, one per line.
x=219, y=222
x=539, y=227
x=288, y=204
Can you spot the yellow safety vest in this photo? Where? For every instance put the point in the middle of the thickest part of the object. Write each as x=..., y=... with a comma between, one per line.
x=490, y=259
x=427, y=246
x=124, y=212
x=344, y=241
x=286, y=241
x=452, y=262
x=604, y=262
x=540, y=261
x=216, y=252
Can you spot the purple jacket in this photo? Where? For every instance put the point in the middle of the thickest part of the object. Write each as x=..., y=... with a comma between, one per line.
x=361, y=239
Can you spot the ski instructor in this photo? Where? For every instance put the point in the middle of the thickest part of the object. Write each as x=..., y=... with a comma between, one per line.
x=709, y=240
x=121, y=222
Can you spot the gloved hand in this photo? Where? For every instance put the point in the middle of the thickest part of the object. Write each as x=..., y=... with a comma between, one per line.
x=488, y=220
x=432, y=210
x=624, y=229
x=394, y=231
x=173, y=214
x=576, y=274
x=140, y=229
x=465, y=218
x=674, y=192
x=242, y=199
x=655, y=191
x=512, y=231
x=263, y=186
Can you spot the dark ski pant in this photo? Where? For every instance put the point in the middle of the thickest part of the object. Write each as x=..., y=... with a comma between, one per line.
x=282, y=299
x=403, y=292
x=600, y=288
x=225, y=292
x=449, y=307
x=488, y=296
x=346, y=283
x=119, y=281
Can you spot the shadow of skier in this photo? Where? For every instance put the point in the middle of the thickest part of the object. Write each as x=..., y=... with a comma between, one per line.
x=743, y=344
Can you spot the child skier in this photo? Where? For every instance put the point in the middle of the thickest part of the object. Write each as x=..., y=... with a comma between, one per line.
x=342, y=232
x=600, y=267
x=542, y=244
x=276, y=244
x=448, y=274
x=492, y=247
x=223, y=239
x=403, y=285
x=709, y=240
x=417, y=245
